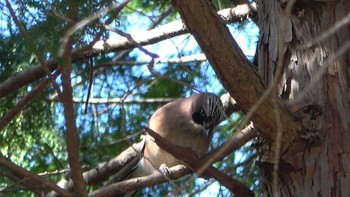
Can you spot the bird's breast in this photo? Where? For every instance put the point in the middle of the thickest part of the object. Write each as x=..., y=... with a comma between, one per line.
x=190, y=135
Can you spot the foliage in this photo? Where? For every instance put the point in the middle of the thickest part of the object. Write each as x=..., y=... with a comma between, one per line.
x=35, y=139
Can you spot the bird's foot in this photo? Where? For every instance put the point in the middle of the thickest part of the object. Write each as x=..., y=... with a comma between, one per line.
x=165, y=171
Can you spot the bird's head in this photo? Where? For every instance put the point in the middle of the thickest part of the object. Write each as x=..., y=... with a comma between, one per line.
x=207, y=111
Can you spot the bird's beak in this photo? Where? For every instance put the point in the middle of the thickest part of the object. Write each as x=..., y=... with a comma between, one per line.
x=208, y=129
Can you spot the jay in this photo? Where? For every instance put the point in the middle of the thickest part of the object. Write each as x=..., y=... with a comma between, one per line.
x=187, y=122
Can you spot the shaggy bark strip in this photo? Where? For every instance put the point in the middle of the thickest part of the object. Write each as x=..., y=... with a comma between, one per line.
x=316, y=82
x=233, y=69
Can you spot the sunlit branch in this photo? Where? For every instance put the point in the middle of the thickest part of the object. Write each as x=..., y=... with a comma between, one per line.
x=238, y=13
x=195, y=164
x=104, y=170
x=101, y=47
x=127, y=159
x=31, y=180
x=121, y=100
x=138, y=183
x=31, y=45
x=24, y=102
x=72, y=136
x=181, y=60
x=87, y=20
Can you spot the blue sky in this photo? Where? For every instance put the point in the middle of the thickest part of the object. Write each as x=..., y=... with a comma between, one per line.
x=246, y=38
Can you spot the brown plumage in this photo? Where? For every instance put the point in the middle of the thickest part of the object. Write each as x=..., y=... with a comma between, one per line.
x=187, y=122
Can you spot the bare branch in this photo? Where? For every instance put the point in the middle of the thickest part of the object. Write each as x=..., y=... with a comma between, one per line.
x=140, y=182
x=238, y=13
x=21, y=104
x=176, y=172
x=36, y=72
x=132, y=41
x=234, y=70
x=189, y=158
x=30, y=180
x=122, y=100
x=180, y=60
x=121, y=164
x=229, y=104
x=72, y=136
x=31, y=46
x=239, y=139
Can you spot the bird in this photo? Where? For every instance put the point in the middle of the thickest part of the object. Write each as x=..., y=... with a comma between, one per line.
x=186, y=122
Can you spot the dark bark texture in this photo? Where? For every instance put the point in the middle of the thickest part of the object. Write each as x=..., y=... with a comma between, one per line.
x=317, y=164
x=313, y=104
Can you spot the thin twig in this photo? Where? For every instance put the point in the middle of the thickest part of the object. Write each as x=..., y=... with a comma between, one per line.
x=110, y=19
x=149, y=37
x=91, y=78
x=31, y=45
x=189, y=158
x=277, y=149
x=317, y=76
x=72, y=136
x=24, y=174
x=278, y=75
x=90, y=18
x=120, y=100
x=339, y=24
x=24, y=101
x=132, y=40
x=118, y=188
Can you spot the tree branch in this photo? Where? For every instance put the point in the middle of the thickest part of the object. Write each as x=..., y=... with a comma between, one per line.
x=176, y=172
x=140, y=182
x=72, y=136
x=195, y=164
x=23, y=102
x=238, y=140
x=121, y=164
x=120, y=100
x=180, y=60
x=233, y=69
x=31, y=45
x=36, y=72
x=125, y=161
x=32, y=181
x=239, y=13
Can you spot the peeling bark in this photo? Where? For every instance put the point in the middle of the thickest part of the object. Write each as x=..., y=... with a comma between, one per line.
x=315, y=143
x=234, y=70
x=318, y=162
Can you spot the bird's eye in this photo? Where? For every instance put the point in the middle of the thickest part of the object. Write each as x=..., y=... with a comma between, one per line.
x=203, y=113
x=199, y=116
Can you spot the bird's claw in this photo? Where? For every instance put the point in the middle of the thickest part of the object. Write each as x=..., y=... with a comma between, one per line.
x=165, y=171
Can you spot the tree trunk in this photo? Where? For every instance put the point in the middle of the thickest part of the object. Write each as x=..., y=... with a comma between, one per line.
x=318, y=163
